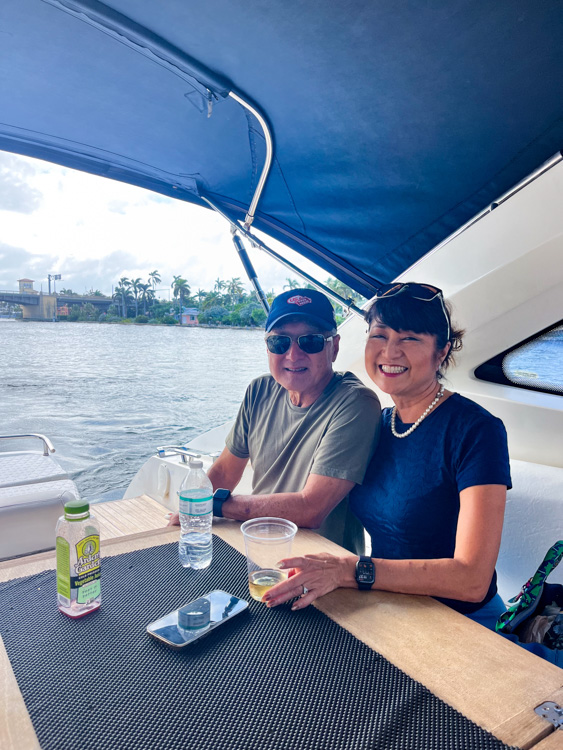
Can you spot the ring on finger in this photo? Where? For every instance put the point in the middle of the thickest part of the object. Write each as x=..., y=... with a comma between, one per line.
x=305, y=589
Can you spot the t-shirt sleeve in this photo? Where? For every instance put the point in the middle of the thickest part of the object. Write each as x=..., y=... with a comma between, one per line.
x=350, y=439
x=237, y=439
x=483, y=455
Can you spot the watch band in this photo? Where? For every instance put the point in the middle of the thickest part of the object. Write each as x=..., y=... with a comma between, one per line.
x=219, y=497
x=365, y=573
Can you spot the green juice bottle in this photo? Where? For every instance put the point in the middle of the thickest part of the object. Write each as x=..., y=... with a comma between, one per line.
x=78, y=560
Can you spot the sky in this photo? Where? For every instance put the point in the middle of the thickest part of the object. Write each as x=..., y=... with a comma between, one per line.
x=93, y=231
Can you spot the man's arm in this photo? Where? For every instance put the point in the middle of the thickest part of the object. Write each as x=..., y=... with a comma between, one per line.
x=227, y=470
x=307, y=508
x=225, y=473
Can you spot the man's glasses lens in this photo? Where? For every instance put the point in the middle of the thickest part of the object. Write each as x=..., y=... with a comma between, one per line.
x=311, y=343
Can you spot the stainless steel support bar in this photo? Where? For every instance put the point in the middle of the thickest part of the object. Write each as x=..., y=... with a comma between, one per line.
x=255, y=242
x=267, y=162
x=250, y=272
x=48, y=446
x=165, y=450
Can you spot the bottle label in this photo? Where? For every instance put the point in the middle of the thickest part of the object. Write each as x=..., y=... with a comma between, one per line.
x=190, y=506
x=86, y=578
x=63, y=567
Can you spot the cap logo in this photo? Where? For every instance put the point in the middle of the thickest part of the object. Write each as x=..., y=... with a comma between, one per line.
x=298, y=299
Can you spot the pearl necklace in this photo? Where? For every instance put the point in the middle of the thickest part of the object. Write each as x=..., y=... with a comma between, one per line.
x=413, y=427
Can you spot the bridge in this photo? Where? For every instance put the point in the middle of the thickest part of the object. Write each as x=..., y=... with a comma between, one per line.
x=39, y=306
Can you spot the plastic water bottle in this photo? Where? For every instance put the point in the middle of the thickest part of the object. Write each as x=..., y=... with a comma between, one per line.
x=196, y=516
x=78, y=560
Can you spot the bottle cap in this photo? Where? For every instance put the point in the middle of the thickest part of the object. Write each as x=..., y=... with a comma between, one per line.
x=76, y=507
x=195, y=463
x=195, y=615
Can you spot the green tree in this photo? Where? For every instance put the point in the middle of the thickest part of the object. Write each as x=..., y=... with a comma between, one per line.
x=147, y=296
x=234, y=289
x=181, y=289
x=154, y=279
x=291, y=283
x=136, y=288
x=124, y=286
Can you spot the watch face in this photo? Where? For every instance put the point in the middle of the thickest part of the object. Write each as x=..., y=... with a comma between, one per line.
x=221, y=495
x=365, y=572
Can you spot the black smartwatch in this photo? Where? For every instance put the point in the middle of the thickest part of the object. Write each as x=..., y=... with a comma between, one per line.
x=219, y=497
x=365, y=573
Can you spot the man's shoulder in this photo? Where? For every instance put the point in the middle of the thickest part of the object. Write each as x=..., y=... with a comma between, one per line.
x=262, y=386
x=349, y=384
x=348, y=395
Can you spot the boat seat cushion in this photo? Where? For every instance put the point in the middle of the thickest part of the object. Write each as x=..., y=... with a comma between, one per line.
x=533, y=522
x=18, y=468
x=33, y=491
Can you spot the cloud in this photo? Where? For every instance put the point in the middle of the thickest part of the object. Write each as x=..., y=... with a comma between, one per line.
x=16, y=194
x=17, y=263
x=93, y=231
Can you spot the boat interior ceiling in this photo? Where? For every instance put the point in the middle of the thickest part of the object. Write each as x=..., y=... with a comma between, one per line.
x=392, y=126
x=392, y=123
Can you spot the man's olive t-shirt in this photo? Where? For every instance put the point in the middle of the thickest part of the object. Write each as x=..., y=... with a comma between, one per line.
x=334, y=437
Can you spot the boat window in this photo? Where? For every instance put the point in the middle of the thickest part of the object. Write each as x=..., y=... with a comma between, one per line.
x=535, y=364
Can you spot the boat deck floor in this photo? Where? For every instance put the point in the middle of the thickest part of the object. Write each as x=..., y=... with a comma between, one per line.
x=122, y=517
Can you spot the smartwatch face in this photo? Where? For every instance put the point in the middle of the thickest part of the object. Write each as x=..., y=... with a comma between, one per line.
x=221, y=495
x=365, y=572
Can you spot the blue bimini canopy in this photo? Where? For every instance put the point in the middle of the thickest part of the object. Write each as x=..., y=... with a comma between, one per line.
x=393, y=123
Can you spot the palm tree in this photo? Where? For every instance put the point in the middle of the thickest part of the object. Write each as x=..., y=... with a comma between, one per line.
x=122, y=295
x=219, y=285
x=181, y=288
x=147, y=295
x=124, y=284
x=154, y=279
x=136, y=287
x=291, y=283
x=200, y=295
x=235, y=289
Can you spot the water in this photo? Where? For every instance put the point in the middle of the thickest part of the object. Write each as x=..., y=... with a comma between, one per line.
x=539, y=363
x=195, y=550
x=108, y=395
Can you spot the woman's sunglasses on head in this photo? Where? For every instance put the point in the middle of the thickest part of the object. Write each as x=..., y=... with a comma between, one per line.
x=310, y=343
x=422, y=292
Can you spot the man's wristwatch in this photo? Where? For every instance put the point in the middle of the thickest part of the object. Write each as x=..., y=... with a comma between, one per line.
x=219, y=497
x=365, y=573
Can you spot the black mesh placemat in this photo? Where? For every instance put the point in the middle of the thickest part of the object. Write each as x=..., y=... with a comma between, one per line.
x=269, y=679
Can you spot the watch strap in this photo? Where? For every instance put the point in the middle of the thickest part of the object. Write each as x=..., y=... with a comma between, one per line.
x=219, y=497
x=364, y=585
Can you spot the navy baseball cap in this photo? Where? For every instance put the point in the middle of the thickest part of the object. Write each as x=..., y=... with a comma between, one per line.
x=306, y=302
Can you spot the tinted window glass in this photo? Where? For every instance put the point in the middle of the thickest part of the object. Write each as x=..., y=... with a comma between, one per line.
x=536, y=363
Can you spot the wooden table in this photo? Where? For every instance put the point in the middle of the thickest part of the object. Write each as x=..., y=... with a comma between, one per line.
x=493, y=682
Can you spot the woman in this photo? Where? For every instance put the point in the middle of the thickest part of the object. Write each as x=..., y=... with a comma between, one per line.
x=434, y=494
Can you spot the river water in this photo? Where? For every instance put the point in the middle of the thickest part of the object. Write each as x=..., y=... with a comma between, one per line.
x=108, y=395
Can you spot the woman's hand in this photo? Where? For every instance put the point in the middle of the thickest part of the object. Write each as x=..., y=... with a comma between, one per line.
x=319, y=574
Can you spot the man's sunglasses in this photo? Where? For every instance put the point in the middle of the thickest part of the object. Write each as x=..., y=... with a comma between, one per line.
x=310, y=343
x=422, y=292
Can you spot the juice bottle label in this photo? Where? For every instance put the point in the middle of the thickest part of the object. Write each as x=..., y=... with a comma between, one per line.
x=63, y=567
x=86, y=578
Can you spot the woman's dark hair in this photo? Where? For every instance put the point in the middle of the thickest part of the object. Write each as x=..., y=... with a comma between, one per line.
x=401, y=312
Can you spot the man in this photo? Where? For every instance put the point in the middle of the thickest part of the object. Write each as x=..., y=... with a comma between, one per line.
x=308, y=431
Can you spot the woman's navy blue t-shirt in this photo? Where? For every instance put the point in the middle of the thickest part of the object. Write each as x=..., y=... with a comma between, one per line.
x=409, y=499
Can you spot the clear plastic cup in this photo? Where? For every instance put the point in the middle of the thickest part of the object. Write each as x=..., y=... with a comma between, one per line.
x=267, y=541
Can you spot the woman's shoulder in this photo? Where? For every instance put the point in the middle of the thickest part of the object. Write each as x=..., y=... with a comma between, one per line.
x=470, y=416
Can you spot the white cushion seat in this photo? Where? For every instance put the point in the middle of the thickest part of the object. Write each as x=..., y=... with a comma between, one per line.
x=33, y=491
